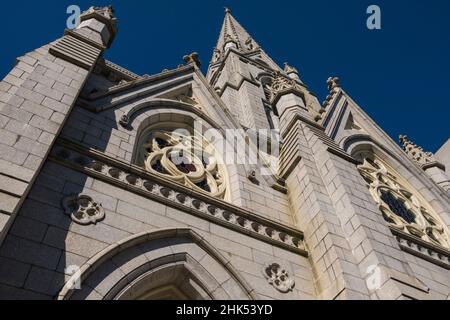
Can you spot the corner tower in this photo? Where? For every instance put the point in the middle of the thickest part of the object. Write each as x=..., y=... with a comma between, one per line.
x=36, y=98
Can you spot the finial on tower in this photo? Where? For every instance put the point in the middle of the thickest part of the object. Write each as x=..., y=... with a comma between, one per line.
x=333, y=82
x=291, y=72
x=227, y=10
x=192, y=59
x=288, y=69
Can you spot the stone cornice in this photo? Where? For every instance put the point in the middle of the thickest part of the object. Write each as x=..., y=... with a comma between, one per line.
x=82, y=53
x=422, y=249
x=109, y=20
x=137, y=94
x=158, y=188
x=128, y=118
x=84, y=39
x=121, y=70
x=142, y=81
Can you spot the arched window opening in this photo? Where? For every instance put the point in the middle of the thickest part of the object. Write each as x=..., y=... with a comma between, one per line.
x=184, y=156
x=400, y=204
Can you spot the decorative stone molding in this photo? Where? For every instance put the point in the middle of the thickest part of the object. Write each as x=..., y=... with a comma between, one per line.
x=104, y=15
x=418, y=155
x=230, y=42
x=85, y=44
x=278, y=277
x=94, y=263
x=72, y=49
x=127, y=119
x=423, y=249
x=288, y=69
x=290, y=148
x=333, y=89
x=107, y=12
x=83, y=209
x=155, y=187
x=249, y=44
x=333, y=82
x=401, y=206
x=216, y=55
x=122, y=72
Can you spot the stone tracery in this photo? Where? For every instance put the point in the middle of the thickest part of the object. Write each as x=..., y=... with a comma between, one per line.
x=400, y=206
x=184, y=158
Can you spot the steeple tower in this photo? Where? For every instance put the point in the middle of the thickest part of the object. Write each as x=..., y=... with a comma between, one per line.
x=240, y=72
x=234, y=36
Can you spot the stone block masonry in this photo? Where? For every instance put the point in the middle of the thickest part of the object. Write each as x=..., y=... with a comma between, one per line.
x=36, y=98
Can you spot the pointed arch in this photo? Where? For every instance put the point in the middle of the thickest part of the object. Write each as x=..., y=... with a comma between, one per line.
x=121, y=270
x=129, y=118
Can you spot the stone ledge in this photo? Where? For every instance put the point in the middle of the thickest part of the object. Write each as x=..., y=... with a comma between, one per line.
x=139, y=181
x=76, y=51
x=422, y=249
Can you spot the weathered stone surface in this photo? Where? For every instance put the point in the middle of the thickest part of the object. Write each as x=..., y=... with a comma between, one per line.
x=160, y=222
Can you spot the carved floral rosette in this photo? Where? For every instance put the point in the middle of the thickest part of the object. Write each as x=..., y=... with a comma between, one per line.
x=83, y=209
x=400, y=207
x=189, y=160
x=278, y=277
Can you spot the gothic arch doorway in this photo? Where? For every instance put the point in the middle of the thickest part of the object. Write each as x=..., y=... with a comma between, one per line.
x=168, y=264
x=176, y=280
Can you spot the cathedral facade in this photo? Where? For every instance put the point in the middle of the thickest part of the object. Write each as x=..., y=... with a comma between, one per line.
x=234, y=185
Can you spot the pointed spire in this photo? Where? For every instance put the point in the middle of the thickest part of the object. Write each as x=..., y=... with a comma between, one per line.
x=232, y=35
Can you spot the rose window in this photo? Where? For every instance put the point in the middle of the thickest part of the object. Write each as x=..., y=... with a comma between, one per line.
x=400, y=207
x=186, y=159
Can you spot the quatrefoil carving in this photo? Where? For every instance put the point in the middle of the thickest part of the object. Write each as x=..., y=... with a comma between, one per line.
x=279, y=278
x=83, y=210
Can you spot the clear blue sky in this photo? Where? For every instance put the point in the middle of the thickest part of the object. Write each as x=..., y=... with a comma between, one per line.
x=400, y=75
